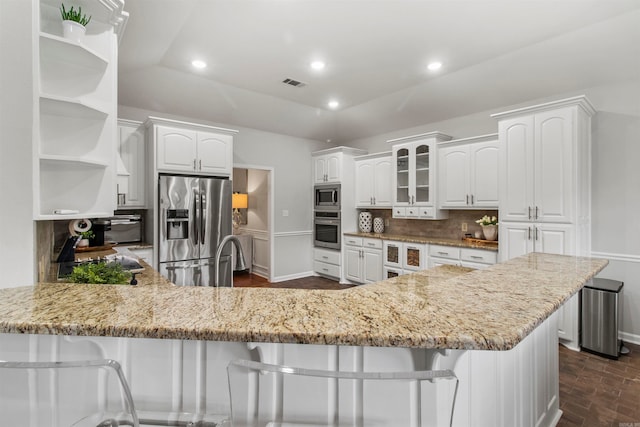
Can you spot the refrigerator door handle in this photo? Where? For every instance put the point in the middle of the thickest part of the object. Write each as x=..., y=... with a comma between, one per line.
x=196, y=222
x=203, y=215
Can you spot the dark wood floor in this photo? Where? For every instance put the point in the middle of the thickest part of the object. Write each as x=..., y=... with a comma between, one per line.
x=594, y=391
x=253, y=281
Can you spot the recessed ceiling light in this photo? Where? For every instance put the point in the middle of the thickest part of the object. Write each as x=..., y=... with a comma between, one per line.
x=333, y=104
x=318, y=65
x=199, y=64
x=433, y=66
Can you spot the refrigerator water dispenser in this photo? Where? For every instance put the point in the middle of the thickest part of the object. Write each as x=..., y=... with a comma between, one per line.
x=177, y=224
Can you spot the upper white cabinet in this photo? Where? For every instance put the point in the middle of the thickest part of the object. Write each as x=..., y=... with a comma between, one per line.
x=327, y=168
x=132, y=151
x=373, y=181
x=414, y=175
x=545, y=162
x=468, y=173
x=183, y=147
x=75, y=113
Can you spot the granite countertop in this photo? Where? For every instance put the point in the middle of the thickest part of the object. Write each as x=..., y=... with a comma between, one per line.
x=444, y=307
x=433, y=240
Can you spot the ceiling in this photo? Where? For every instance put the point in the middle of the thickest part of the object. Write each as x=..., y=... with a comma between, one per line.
x=494, y=53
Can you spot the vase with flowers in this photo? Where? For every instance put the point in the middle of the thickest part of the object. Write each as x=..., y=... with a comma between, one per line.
x=489, y=227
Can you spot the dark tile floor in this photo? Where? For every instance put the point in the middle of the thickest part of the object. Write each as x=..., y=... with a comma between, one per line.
x=594, y=391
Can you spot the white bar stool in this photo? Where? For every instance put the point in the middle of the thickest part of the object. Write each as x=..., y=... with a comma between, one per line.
x=275, y=395
x=55, y=394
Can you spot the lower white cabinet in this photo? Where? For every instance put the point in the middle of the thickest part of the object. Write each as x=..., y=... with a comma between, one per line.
x=402, y=258
x=326, y=262
x=363, y=259
x=465, y=257
x=521, y=238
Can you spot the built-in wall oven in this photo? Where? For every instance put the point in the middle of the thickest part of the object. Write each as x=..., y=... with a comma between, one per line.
x=326, y=229
x=327, y=197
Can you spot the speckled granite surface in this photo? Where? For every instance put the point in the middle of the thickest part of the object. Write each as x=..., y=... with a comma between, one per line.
x=417, y=239
x=444, y=307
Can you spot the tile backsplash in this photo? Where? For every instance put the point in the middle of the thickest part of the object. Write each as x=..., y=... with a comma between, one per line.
x=445, y=228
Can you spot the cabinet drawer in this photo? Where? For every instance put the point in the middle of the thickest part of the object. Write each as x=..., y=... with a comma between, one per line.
x=327, y=256
x=479, y=255
x=352, y=241
x=326, y=269
x=399, y=212
x=372, y=243
x=426, y=212
x=444, y=252
x=412, y=213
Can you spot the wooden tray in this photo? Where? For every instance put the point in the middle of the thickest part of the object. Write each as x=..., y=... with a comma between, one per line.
x=488, y=243
x=95, y=248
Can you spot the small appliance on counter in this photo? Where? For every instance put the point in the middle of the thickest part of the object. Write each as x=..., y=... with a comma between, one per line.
x=125, y=229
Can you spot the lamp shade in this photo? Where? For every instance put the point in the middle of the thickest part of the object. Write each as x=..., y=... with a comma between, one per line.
x=239, y=201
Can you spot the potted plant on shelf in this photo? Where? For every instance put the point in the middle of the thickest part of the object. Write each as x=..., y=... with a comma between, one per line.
x=74, y=23
x=85, y=237
x=489, y=227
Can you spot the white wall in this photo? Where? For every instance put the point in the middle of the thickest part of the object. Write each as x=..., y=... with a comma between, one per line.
x=615, y=180
x=290, y=157
x=17, y=255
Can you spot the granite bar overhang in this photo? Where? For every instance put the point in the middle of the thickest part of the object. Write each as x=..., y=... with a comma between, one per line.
x=445, y=307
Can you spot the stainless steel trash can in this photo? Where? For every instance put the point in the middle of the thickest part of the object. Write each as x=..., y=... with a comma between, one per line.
x=601, y=314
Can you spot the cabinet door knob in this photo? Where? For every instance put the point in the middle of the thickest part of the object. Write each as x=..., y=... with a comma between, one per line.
x=529, y=233
x=200, y=164
x=535, y=232
x=536, y=212
x=472, y=199
x=529, y=212
x=467, y=199
x=194, y=164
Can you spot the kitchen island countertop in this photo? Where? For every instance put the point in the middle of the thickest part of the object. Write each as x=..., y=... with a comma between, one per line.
x=445, y=307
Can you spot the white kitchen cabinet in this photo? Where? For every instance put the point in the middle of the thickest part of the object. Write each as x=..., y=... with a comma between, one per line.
x=132, y=151
x=326, y=262
x=404, y=257
x=545, y=161
x=468, y=173
x=363, y=259
x=327, y=168
x=75, y=112
x=373, y=181
x=414, y=175
x=545, y=187
x=183, y=147
x=464, y=257
x=518, y=239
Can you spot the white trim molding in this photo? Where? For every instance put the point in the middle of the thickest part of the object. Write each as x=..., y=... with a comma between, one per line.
x=616, y=257
x=293, y=233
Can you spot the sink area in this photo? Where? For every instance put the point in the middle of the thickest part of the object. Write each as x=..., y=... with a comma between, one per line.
x=128, y=263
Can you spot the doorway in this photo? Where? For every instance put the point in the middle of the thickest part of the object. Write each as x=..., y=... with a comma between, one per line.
x=257, y=219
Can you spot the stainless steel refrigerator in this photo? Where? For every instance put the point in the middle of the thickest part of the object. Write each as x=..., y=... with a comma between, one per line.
x=194, y=216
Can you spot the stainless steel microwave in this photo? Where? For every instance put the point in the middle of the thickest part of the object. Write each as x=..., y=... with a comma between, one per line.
x=125, y=229
x=327, y=197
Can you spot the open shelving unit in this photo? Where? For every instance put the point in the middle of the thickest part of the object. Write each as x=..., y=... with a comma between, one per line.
x=75, y=119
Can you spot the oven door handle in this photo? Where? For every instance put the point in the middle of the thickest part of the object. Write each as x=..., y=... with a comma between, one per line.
x=334, y=196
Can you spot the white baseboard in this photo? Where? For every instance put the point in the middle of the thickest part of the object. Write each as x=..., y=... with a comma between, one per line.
x=630, y=338
x=292, y=276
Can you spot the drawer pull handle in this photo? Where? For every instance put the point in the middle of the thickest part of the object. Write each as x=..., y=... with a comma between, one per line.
x=443, y=253
x=476, y=257
x=371, y=244
x=325, y=257
x=325, y=269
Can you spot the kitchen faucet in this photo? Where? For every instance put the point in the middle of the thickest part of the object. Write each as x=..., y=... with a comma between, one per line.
x=240, y=263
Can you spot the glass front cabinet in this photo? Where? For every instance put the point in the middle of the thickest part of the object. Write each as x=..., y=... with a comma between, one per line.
x=414, y=175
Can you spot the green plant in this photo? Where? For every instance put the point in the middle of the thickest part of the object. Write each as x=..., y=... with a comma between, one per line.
x=101, y=273
x=87, y=234
x=73, y=15
x=486, y=220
